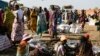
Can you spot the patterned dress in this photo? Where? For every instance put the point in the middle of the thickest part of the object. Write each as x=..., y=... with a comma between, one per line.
x=51, y=22
x=17, y=28
x=8, y=21
x=33, y=21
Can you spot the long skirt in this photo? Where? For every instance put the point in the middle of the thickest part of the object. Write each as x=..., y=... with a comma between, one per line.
x=17, y=31
x=41, y=28
x=33, y=24
x=41, y=25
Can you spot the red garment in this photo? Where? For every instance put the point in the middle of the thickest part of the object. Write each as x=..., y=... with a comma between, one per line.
x=23, y=44
x=1, y=19
x=82, y=20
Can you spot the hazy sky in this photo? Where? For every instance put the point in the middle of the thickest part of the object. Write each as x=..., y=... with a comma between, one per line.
x=79, y=4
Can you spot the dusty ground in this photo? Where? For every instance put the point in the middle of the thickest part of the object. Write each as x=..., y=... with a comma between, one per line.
x=94, y=36
x=90, y=29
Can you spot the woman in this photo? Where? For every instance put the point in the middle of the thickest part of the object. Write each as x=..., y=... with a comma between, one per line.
x=28, y=12
x=75, y=16
x=59, y=20
x=56, y=16
x=51, y=20
x=8, y=21
x=41, y=22
x=33, y=20
x=18, y=25
x=85, y=48
x=82, y=18
x=1, y=17
x=47, y=17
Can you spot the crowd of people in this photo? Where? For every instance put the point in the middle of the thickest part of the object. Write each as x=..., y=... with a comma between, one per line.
x=39, y=20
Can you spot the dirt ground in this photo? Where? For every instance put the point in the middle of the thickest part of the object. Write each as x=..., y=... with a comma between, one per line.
x=90, y=29
x=94, y=37
x=94, y=34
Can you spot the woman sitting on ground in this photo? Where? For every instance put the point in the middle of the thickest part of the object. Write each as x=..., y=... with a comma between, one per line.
x=85, y=48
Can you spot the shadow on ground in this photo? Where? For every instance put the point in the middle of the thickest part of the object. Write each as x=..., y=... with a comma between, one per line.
x=9, y=52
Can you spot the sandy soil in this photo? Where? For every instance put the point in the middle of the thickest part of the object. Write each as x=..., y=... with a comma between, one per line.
x=94, y=37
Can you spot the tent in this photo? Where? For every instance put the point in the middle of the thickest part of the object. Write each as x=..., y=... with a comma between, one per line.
x=3, y=4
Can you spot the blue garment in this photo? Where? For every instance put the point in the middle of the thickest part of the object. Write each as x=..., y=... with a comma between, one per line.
x=59, y=20
x=75, y=16
x=55, y=24
x=41, y=23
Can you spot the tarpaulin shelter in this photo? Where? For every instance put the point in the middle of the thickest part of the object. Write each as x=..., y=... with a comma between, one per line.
x=3, y=4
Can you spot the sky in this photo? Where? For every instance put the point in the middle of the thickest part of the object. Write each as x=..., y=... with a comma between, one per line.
x=78, y=4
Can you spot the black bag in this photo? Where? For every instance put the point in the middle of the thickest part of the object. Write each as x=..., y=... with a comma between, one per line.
x=68, y=51
x=98, y=25
x=3, y=30
x=86, y=20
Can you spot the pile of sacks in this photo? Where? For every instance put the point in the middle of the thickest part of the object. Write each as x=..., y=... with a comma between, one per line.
x=72, y=28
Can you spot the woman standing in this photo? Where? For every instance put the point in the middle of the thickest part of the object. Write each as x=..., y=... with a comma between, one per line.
x=51, y=20
x=1, y=17
x=47, y=16
x=83, y=18
x=33, y=20
x=41, y=22
x=18, y=25
x=28, y=18
x=75, y=16
x=8, y=21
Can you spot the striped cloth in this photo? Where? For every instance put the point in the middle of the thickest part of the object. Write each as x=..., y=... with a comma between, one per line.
x=4, y=42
